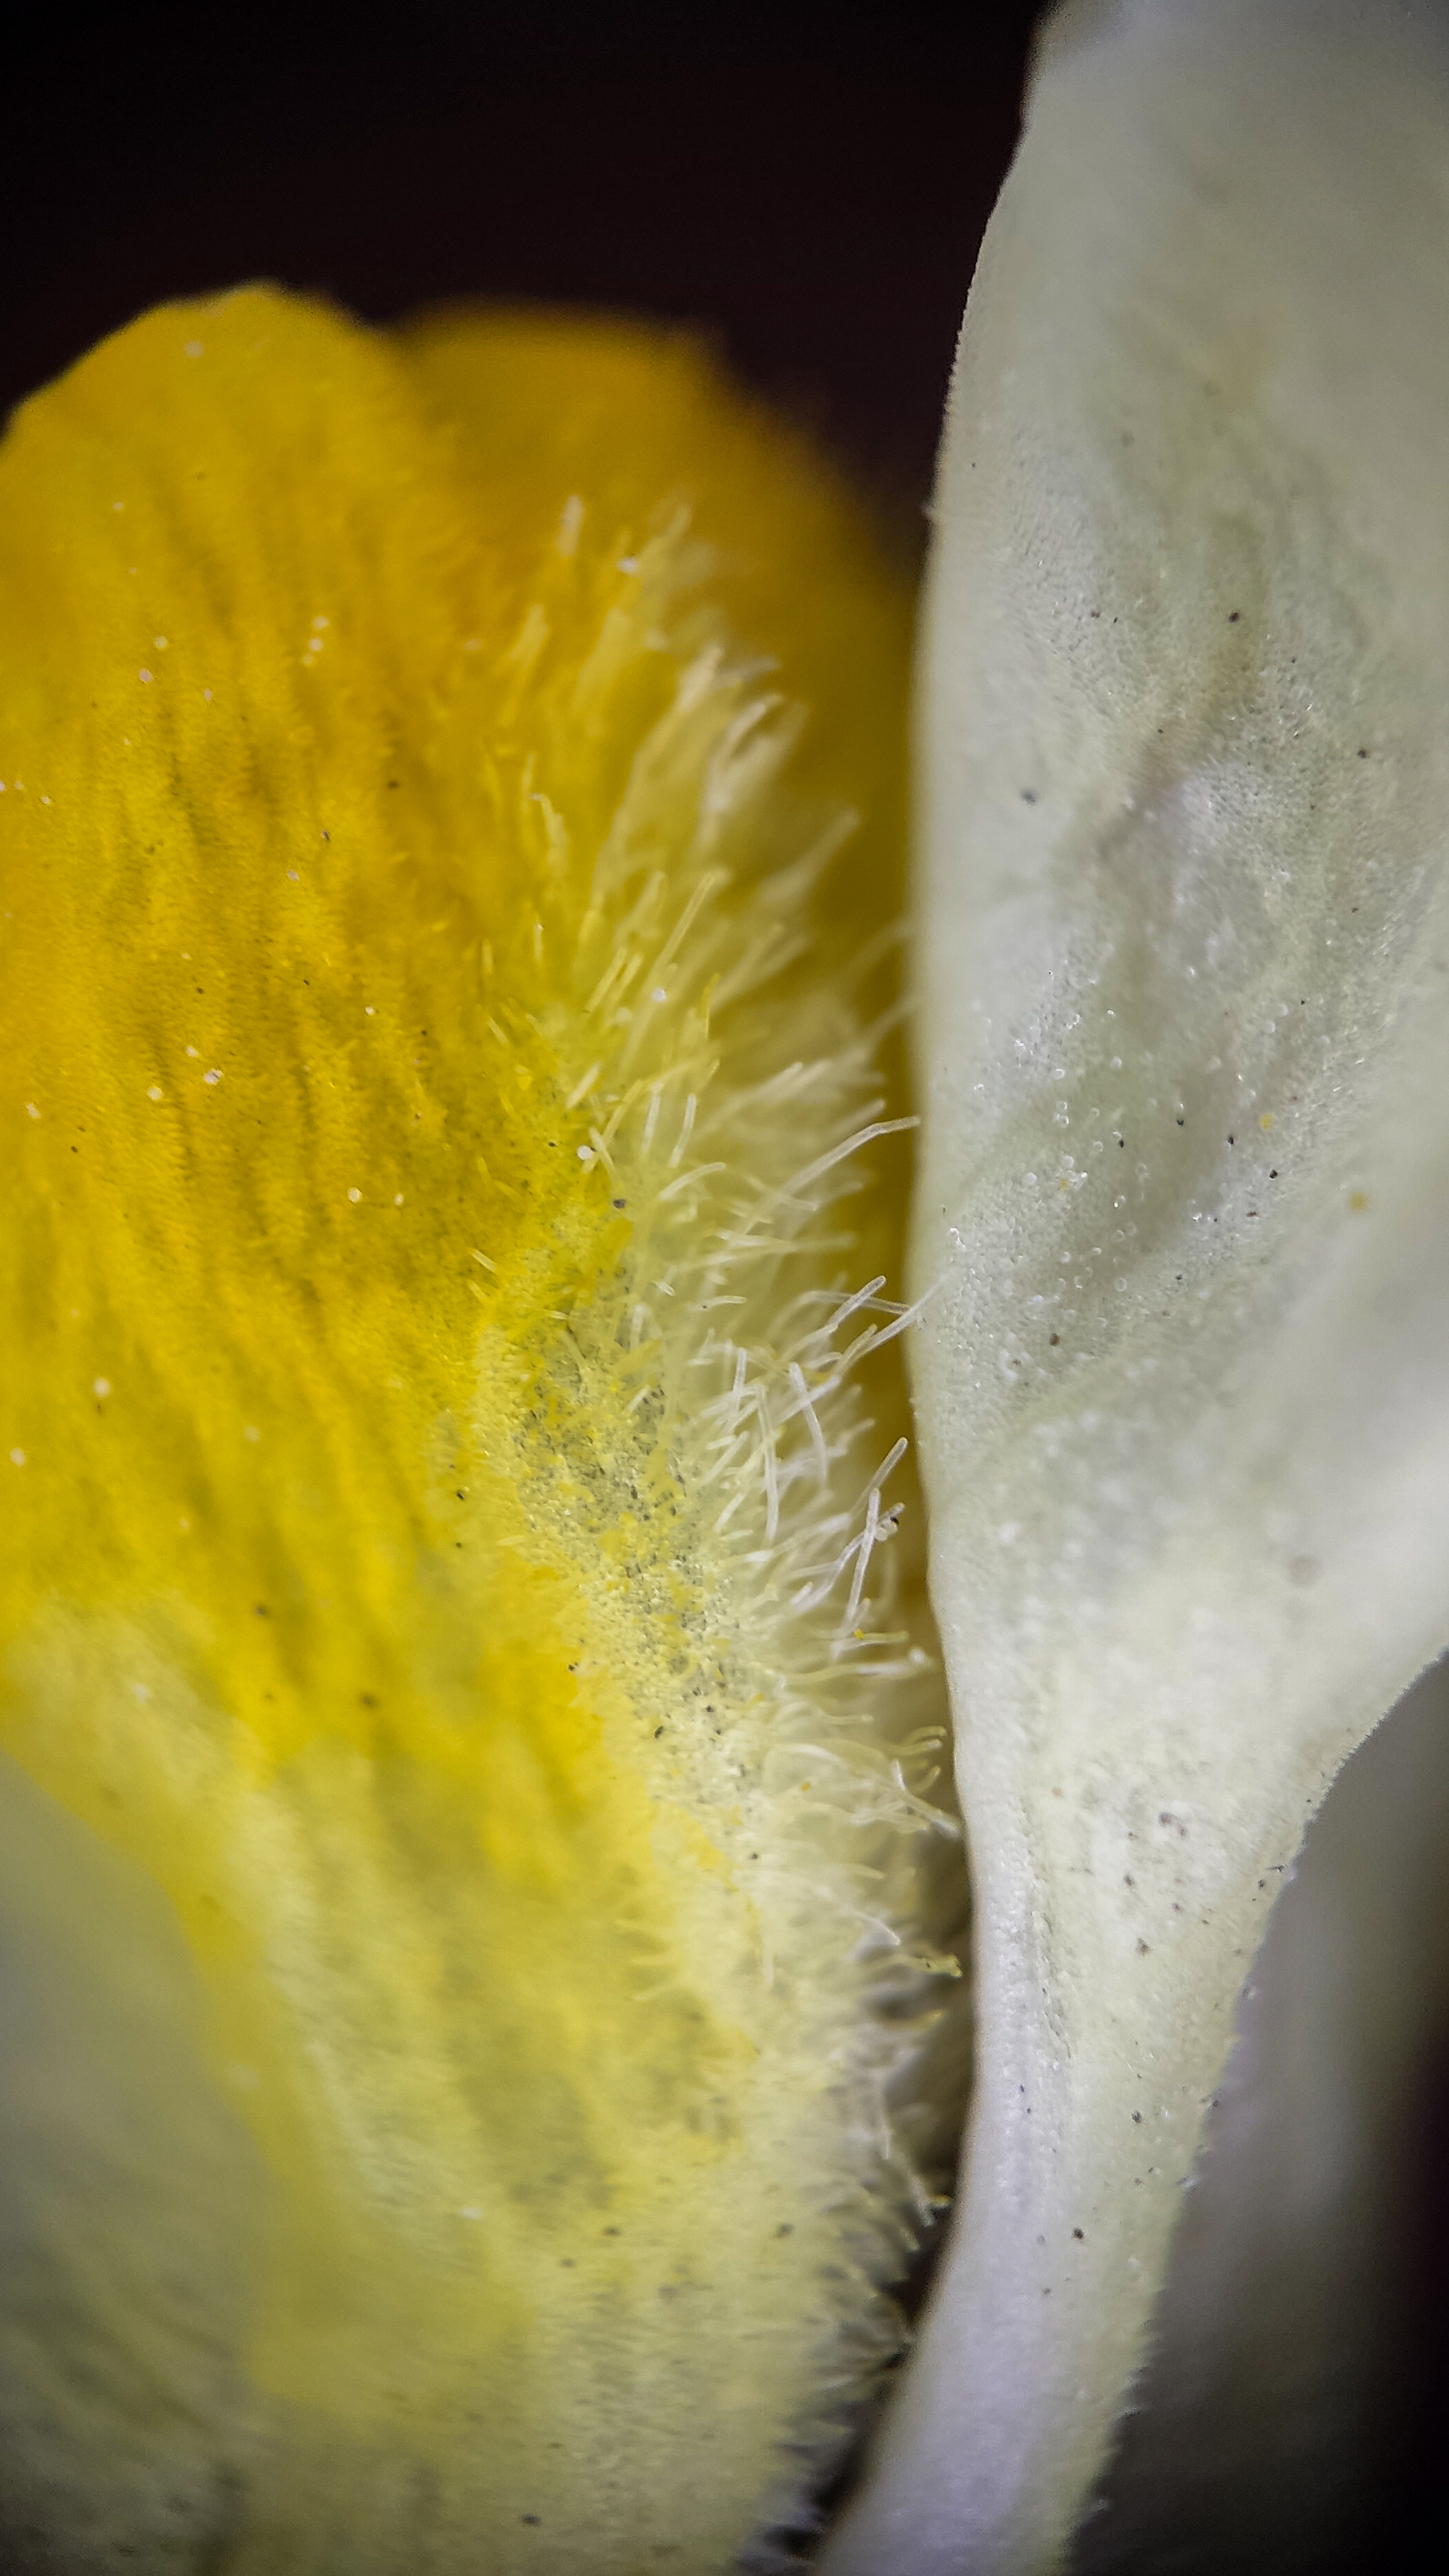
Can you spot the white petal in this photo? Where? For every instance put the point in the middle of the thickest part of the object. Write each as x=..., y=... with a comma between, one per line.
x=1184, y=1394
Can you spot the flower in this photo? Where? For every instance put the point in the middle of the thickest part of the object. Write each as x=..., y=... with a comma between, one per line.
x=440, y=1532
x=467, y=1818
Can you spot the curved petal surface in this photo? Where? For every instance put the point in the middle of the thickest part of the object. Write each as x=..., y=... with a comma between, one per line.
x=1184, y=1392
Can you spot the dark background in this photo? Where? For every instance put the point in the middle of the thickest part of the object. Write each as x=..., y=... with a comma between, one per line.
x=809, y=180
x=810, y=183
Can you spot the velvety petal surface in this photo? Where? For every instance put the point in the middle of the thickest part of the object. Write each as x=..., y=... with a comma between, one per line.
x=473, y=1914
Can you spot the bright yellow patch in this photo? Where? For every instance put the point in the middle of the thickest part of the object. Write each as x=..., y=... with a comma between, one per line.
x=425, y=992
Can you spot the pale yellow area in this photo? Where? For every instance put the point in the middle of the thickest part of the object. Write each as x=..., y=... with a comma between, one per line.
x=360, y=1583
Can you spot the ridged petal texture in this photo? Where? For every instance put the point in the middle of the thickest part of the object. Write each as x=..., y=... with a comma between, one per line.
x=468, y=1894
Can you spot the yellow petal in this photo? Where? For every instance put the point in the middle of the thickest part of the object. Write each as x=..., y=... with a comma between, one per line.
x=432, y=1014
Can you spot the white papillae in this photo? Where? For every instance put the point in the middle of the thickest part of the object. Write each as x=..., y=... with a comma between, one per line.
x=1184, y=1048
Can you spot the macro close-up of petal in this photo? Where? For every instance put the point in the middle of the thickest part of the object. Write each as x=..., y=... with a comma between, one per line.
x=724, y=1368
x=466, y=1769
x=1184, y=924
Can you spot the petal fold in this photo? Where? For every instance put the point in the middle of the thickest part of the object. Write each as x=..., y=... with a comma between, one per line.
x=1184, y=1391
